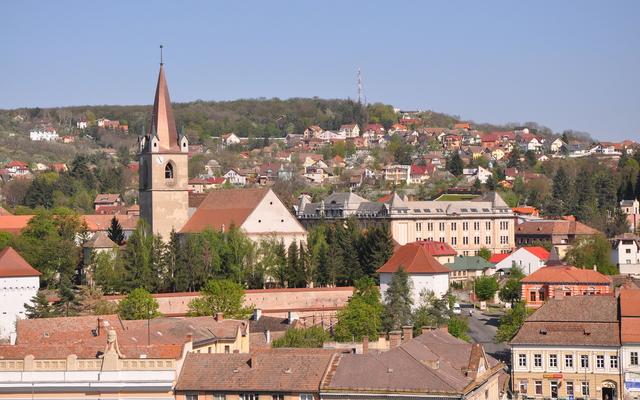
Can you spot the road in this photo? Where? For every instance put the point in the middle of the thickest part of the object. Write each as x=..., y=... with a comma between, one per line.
x=482, y=329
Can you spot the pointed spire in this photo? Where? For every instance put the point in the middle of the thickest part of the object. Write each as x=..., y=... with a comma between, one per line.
x=162, y=122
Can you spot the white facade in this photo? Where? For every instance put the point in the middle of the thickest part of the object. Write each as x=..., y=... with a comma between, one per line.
x=230, y=139
x=44, y=135
x=630, y=363
x=625, y=254
x=14, y=293
x=271, y=218
x=437, y=283
x=523, y=259
x=235, y=178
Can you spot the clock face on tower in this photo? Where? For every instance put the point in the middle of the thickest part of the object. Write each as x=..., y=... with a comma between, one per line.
x=159, y=159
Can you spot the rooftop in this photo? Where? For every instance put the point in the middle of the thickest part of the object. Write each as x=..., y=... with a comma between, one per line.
x=567, y=274
x=414, y=258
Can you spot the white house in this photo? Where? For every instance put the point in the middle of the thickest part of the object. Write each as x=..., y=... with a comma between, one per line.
x=350, y=130
x=425, y=272
x=557, y=145
x=82, y=124
x=632, y=209
x=625, y=254
x=19, y=282
x=230, y=139
x=235, y=178
x=528, y=259
x=46, y=135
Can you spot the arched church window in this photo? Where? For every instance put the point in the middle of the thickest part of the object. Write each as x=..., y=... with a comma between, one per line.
x=168, y=171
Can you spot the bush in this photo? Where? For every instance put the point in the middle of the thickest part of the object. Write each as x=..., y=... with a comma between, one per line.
x=139, y=304
x=309, y=337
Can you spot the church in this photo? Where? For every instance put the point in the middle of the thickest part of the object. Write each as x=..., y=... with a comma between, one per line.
x=166, y=203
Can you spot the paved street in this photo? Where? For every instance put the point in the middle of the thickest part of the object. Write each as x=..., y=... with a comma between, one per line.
x=482, y=329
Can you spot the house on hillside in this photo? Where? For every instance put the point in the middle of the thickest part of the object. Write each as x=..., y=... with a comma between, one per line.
x=230, y=139
x=559, y=233
x=349, y=130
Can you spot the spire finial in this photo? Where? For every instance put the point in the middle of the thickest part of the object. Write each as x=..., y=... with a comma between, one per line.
x=161, y=63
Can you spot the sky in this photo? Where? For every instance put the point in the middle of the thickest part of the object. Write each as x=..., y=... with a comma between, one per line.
x=563, y=64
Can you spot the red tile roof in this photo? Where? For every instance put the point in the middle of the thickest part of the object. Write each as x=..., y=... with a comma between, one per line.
x=567, y=274
x=630, y=302
x=14, y=223
x=415, y=258
x=12, y=265
x=224, y=208
x=538, y=251
x=496, y=258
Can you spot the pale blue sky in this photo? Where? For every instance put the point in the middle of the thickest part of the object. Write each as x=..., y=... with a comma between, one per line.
x=564, y=64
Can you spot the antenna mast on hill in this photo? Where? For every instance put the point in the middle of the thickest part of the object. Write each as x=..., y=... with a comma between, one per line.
x=161, y=63
x=361, y=97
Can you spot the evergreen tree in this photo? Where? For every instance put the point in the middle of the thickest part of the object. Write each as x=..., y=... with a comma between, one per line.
x=513, y=161
x=491, y=184
x=40, y=307
x=375, y=249
x=292, y=264
x=530, y=157
x=68, y=303
x=455, y=165
x=561, y=194
x=115, y=232
x=398, y=301
x=586, y=205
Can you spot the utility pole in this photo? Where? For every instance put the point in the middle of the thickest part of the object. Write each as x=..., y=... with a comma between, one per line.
x=361, y=97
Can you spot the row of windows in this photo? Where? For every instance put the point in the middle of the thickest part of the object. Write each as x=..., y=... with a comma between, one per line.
x=249, y=396
x=504, y=225
x=568, y=361
x=553, y=388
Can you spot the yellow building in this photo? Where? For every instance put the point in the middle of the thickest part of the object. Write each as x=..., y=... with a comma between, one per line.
x=569, y=348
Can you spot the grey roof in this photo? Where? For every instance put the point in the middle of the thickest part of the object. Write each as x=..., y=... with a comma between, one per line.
x=466, y=263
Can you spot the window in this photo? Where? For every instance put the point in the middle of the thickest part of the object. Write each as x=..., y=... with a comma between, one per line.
x=600, y=362
x=568, y=361
x=476, y=226
x=584, y=361
x=553, y=360
x=168, y=171
x=454, y=240
x=465, y=226
x=541, y=295
x=538, y=385
x=537, y=360
x=277, y=396
x=227, y=349
x=249, y=396
x=454, y=226
x=441, y=226
x=532, y=295
x=569, y=387
x=504, y=225
x=634, y=358
x=476, y=240
x=191, y=396
x=613, y=362
x=219, y=397
x=430, y=226
x=553, y=386
x=504, y=239
x=419, y=226
x=522, y=360
x=585, y=388
x=441, y=239
x=523, y=386
x=465, y=240
x=487, y=240
x=306, y=396
x=487, y=225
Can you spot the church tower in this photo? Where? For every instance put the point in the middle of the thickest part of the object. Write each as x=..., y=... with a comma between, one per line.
x=163, y=173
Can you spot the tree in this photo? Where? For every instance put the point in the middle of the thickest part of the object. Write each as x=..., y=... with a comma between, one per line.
x=139, y=304
x=312, y=337
x=530, y=158
x=40, y=307
x=362, y=315
x=561, y=194
x=115, y=232
x=510, y=292
x=458, y=327
x=591, y=251
x=484, y=253
x=511, y=322
x=455, y=164
x=485, y=287
x=432, y=311
x=220, y=296
x=586, y=204
x=68, y=303
x=514, y=157
x=398, y=301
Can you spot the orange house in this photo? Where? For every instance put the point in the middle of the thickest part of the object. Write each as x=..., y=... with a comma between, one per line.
x=559, y=281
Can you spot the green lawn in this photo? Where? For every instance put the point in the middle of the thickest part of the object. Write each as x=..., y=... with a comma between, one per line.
x=456, y=197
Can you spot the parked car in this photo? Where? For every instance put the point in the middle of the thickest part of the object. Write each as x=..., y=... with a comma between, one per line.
x=457, y=309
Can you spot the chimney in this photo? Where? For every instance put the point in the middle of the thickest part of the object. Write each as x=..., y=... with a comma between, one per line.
x=407, y=332
x=267, y=336
x=394, y=339
x=427, y=329
x=219, y=316
x=595, y=267
x=257, y=313
x=253, y=362
x=292, y=317
x=189, y=337
x=99, y=326
x=365, y=344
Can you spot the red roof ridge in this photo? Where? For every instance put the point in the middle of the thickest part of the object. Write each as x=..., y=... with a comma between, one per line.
x=13, y=265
